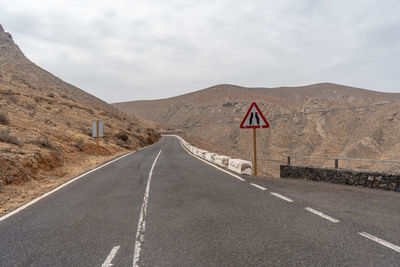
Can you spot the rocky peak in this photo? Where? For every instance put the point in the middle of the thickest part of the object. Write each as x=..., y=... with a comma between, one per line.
x=5, y=37
x=7, y=46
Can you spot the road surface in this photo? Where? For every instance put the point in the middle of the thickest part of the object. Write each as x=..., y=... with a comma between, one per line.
x=161, y=206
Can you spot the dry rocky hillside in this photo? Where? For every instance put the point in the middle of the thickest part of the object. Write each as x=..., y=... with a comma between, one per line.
x=318, y=120
x=45, y=129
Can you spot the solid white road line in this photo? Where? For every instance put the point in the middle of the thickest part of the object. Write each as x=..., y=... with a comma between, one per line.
x=322, y=215
x=142, y=218
x=110, y=257
x=258, y=186
x=58, y=188
x=282, y=197
x=381, y=241
x=231, y=174
x=149, y=146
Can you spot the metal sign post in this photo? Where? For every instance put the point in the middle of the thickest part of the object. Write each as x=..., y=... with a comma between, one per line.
x=255, y=151
x=254, y=119
x=97, y=131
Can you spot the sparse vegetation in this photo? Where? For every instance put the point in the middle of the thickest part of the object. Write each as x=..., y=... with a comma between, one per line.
x=32, y=113
x=79, y=143
x=86, y=131
x=120, y=143
x=30, y=106
x=229, y=104
x=8, y=92
x=44, y=142
x=36, y=109
x=122, y=136
x=7, y=138
x=50, y=122
x=4, y=119
x=12, y=100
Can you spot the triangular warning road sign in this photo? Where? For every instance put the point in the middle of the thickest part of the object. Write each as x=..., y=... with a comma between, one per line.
x=254, y=118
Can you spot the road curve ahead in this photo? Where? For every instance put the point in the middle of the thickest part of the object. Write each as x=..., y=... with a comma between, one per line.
x=161, y=206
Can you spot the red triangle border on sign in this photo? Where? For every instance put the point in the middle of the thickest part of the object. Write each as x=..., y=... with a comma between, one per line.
x=247, y=114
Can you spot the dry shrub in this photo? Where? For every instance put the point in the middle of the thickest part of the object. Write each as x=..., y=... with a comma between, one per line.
x=120, y=143
x=153, y=136
x=51, y=95
x=12, y=99
x=7, y=138
x=79, y=144
x=8, y=92
x=122, y=136
x=4, y=119
x=32, y=113
x=30, y=106
x=86, y=131
x=44, y=142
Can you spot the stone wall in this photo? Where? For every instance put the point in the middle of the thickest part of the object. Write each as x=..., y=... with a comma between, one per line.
x=380, y=180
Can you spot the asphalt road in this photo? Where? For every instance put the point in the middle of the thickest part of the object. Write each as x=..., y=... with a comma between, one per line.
x=168, y=208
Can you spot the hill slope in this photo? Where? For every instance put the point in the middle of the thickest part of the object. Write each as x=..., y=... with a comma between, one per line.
x=45, y=128
x=320, y=119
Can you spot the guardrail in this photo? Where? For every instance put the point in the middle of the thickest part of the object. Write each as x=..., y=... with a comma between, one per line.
x=336, y=159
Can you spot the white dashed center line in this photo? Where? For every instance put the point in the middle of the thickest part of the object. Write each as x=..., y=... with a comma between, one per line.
x=142, y=218
x=107, y=262
x=282, y=197
x=381, y=241
x=329, y=218
x=258, y=186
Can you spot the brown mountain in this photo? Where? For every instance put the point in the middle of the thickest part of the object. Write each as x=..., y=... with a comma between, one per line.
x=45, y=128
x=321, y=119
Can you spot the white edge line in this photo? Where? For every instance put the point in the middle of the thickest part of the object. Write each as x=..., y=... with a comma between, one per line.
x=329, y=218
x=142, y=217
x=148, y=146
x=381, y=241
x=209, y=163
x=282, y=197
x=258, y=186
x=58, y=188
x=110, y=257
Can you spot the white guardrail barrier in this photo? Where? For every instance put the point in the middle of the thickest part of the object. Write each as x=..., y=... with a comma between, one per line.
x=236, y=165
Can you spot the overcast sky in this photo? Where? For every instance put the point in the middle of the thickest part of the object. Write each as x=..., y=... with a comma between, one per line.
x=124, y=50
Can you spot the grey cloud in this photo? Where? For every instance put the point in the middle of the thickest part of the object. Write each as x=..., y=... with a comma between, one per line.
x=141, y=49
